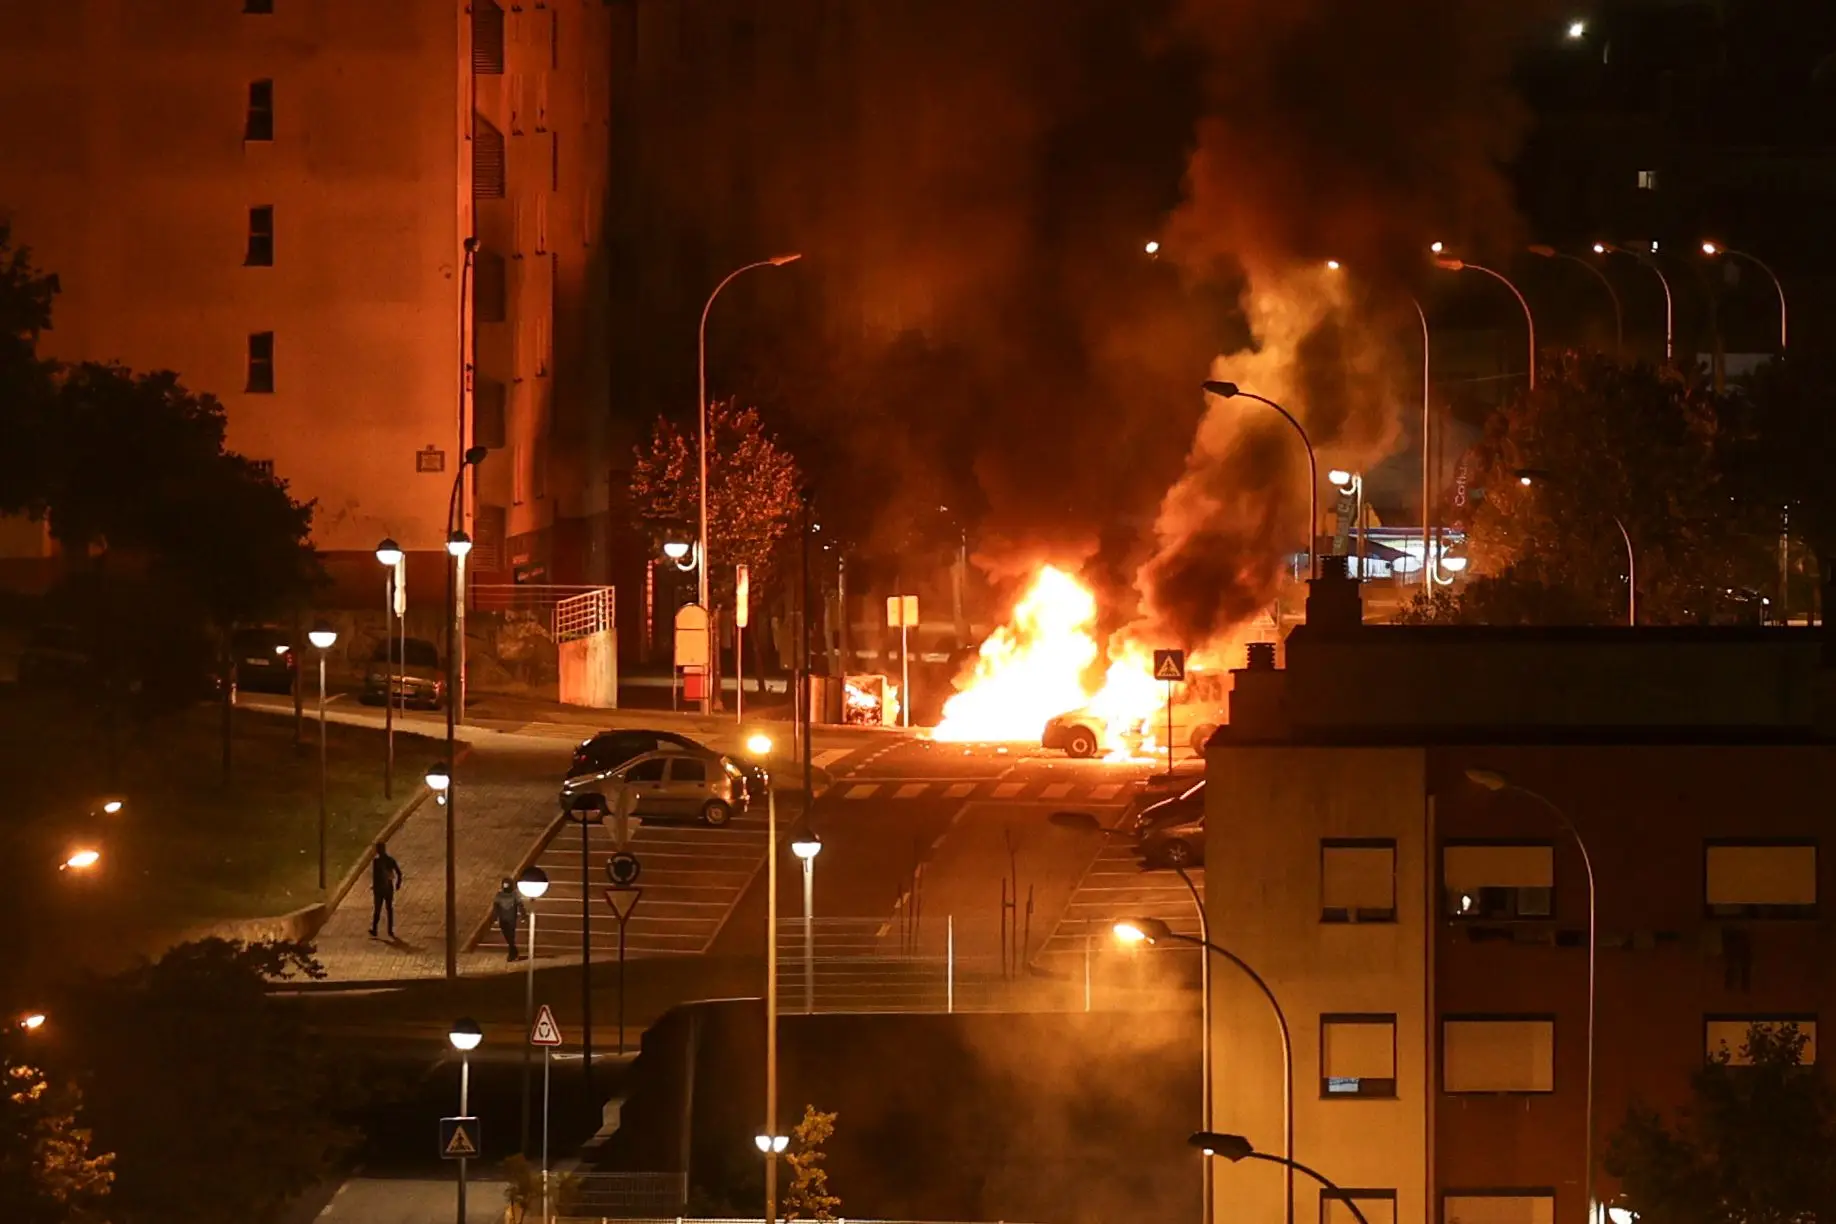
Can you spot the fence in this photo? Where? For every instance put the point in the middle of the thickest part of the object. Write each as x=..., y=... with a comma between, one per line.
x=582, y=615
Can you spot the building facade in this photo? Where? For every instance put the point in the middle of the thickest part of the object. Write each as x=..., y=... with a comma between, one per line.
x=272, y=198
x=1427, y=934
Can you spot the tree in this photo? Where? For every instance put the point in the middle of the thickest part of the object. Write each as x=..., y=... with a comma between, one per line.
x=1783, y=458
x=524, y=1192
x=1611, y=443
x=217, y=1098
x=1755, y=1145
x=807, y=1197
x=752, y=491
x=48, y=1172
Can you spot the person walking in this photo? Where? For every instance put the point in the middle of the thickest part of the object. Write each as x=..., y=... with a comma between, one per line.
x=508, y=907
x=385, y=879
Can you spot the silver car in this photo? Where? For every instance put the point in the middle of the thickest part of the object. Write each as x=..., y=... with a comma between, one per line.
x=674, y=784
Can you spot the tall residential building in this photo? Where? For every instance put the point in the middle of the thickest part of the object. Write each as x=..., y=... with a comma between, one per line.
x=1390, y=840
x=272, y=197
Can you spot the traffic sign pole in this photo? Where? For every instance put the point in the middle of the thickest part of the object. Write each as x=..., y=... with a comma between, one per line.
x=548, y=1213
x=1170, y=666
x=528, y=1020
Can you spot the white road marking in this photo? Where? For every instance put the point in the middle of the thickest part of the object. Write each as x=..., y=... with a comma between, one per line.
x=959, y=790
x=829, y=756
x=1106, y=791
x=1007, y=790
x=1057, y=790
x=911, y=790
x=862, y=790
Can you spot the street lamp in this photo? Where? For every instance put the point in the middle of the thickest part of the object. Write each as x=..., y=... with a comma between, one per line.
x=771, y=1144
x=389, y=555
x=458, y=545
x=1530, y=476
x=112, y=806
x=1498, y=783
x=81, y=860
x=701, y=412
x=1577, y=30
x=1604, y=248
x=439, y=777
x=1235, y=1148
x=806, y=848
x=1154, y=930
x=465, y=1036
x=759, y=745
x=1230, y=390
x=1619, y=318
x=31, y=1022
x=1351, y=484
x=323, y=637
x=532, y=884
x=1713, y=249
x=1152, y=247
x=1458, y=265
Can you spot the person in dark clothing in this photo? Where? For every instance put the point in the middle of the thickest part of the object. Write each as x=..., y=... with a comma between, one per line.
x=385, y=878
x=508, y=907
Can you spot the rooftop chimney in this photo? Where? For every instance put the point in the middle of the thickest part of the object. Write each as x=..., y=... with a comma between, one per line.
x=1333, y=599
x=1262, y=656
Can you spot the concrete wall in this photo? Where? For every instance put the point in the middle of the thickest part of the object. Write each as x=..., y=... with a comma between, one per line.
x=1267, y=810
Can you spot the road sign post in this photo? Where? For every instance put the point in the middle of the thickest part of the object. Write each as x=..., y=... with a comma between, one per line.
x=1170, y=666
x=546, y=1034
x=902, y=614
x=624, y=895
x=586, y=809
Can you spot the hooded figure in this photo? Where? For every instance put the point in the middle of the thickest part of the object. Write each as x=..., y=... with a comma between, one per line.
x=508, y=906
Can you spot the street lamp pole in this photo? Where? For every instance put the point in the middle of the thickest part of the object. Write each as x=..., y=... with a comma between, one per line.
x=1153, y=930
x=1198, y=904
x=324, y=637
x=1619, y=315
x=532, y=884
x=760, y=747
x=1712, y=248
x=1529, y=476
x=1230, y=390
x=458, y=544
x=389, y=555
x=1601, y=248
x=701, y=416
x=806, y=849
x=1235, y=1148
x=1497, y=782
x=465, y=1036
x=1456, y=265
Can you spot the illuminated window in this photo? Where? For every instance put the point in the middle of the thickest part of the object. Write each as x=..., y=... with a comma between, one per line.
x=261, y=363
x=260, y=253
x=1377, y=1206
x=1498, y=1054
x=1729, y=1035
x=487, y=38
x=260, y=122
x=1499, y=1207
x=1647, y=180
x=1357, y=1056
x=1493, y=880
x=1357, y=880
x=1760, y=880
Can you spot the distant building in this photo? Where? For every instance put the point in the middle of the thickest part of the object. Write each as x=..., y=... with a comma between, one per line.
x=271, y=198
x=1427, y=936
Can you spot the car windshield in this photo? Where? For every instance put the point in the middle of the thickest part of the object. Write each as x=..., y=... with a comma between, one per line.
x=420, y=653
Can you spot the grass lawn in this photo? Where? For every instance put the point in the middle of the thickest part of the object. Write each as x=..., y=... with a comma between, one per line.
x=187, y=849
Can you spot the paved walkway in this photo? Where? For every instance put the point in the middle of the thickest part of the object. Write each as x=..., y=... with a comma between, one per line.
x=506, y=802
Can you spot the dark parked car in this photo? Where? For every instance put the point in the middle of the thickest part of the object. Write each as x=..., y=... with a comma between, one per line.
x=263, y=659
x=610, y=749
x=414, y=665
x=675, y=783
x=1171, y=833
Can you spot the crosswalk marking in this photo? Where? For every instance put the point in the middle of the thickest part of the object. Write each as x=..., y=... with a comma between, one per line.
x=911, y=790
x=1106, y=791
x=1058, y=790
x=863, y=790
x=959, y=790
x=828, y=757
x=1007, y=790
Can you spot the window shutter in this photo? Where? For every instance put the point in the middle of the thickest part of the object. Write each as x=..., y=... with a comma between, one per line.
x=488, y=398
x=488, y=171
x=490, y=289
x=487, y=38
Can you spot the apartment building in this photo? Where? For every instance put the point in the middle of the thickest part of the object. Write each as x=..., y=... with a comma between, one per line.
x=272, y=198
x=1427, y=933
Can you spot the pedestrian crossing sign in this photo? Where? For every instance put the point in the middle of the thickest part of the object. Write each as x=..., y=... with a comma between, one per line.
x=1169, y=665
x=545, y=1032
x=459, y=1138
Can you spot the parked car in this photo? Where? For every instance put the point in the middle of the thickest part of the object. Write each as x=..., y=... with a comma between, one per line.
x=263, y=659
x=1171, y=833
x=673, y=783
x=414, y=665
x=609, y=749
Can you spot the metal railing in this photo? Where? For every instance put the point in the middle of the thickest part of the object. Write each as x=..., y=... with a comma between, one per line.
x=577, y=616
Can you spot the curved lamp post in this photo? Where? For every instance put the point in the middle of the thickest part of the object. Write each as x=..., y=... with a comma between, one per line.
x=1236, y=1148
x=1604, y=248
x=806, y=848
x=759, y=745
x=464, y=1036
x=323, y=637
x=1619, y=317
x=1460, y=265
x=1230, y=390
x=1528, y=477
x=1497, y=783
x=701, y=415
x=389, y=555
x=1712, y=249
x=532, y=884
x=1153, y=930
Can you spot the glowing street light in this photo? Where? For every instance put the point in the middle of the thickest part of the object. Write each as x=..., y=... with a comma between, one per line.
x=1230, y=390
x=81, y=860
x=1531, y=476
x=465, y=1036
x=675, y=550
x=113, y=806
x=533, y=885
x=1712, y=249
x=1577, y=30
x=806, y=848
x=458, y=544
x=1152, y=248
x=771, y=1144
x=31, y=1022
x=439, y=776
x=1236, y=1149
x=324, y=637
x=1332, y=265
x=1619, y=318
x=389, y=553
x=1460, y=265
x=1437, y=247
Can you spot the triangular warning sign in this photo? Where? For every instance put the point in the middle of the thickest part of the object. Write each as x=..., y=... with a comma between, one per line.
x=461, y=1143
x=545, y=1032
x=1169, y=669
x=623, y=901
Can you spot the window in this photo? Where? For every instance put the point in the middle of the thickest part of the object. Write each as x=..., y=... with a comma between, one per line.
x=519, y=473
x=260, y=253
x=1492, y=880
x=487, y=38
x=1499, y=1207
x=490, y=287
x=261, y=363
x=1357, y=880
x=1378, y=1206
x=1647, y=180
x=490, y=525
x=258, y=6
x=487, y=160
x=1760, y=880
x=260, y=122
x=1357, y=1056
x=538, y=471
x=646, y=771
x=488, y=399
x=688, y=769
x=1729, y=1035
x=1498, y=1054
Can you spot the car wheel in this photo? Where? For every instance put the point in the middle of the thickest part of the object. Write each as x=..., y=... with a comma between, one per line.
x=716, y=814
x=1201, y=735
x=1176, y=854
x=1081, y=743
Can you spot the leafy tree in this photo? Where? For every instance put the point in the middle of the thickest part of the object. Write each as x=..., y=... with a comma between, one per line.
x=1755, y=1145
x=523, y=1191
x=752, y=490
x=1611, y=443
x=807, y=1197
x=218, y=1100
x=48, y=1171
x=1784, y=456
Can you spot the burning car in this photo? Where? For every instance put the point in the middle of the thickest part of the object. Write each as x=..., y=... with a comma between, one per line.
x=1199, y=709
